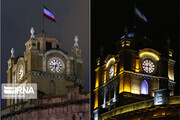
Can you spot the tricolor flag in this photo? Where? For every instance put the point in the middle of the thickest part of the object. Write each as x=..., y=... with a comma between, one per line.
x=48, y=14
x=140, y=15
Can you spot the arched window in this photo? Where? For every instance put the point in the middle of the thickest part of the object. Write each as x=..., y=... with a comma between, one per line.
x=144, y=87
x=52, y=87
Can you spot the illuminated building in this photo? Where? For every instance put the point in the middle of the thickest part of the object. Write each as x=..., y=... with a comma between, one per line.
x=59, y=79
x=137, y=83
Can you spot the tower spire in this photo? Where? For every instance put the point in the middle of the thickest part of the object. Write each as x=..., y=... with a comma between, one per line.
x=134, y=17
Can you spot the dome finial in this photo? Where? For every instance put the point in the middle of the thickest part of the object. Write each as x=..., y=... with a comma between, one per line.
x=32, y=32
x=12, y=53
x=76, y=41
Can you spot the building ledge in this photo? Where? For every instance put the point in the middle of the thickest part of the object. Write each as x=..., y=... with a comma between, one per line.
x=142, y=105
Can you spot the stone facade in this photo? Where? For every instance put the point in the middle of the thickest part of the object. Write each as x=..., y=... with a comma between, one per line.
x=59, y=79
x=47, y=65
x=73, y=106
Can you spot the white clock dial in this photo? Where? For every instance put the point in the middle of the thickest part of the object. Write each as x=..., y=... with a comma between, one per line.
x=20, y=72
x=148, y=66
x=111, y=71
x=56, y=65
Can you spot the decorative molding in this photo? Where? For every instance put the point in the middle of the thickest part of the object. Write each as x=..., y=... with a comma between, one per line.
x=56, y=51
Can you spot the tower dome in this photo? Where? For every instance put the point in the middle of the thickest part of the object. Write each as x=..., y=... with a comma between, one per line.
x=45, y=34
x=134, y=41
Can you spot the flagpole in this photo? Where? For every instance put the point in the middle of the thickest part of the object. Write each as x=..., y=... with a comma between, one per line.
x=134, y=17
x=43, y=24
x=43, y=20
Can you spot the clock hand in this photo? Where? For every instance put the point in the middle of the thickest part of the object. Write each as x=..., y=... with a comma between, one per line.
x=148, y=68
x=55, y=66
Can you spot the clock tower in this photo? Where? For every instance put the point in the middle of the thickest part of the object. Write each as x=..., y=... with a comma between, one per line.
x=131, y=75
x=47, y=65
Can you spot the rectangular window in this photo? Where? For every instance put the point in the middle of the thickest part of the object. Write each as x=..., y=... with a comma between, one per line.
x=48, y=45
x=122, y=44
x=38, y=45
x=33, y=44
x=127, y=43
x=57, y=46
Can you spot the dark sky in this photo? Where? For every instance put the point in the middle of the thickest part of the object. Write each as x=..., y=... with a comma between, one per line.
x=18, y=16
x=109, y=17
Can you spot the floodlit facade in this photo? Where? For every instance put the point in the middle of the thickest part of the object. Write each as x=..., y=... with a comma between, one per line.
x=59, y=79
x=127, y=83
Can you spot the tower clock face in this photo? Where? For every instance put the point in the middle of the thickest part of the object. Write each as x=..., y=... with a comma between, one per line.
x=20, y=72
x=148, y=66
x=111, y=72
x=56, y=65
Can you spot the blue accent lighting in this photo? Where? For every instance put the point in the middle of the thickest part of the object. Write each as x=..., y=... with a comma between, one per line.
x=144, y=88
